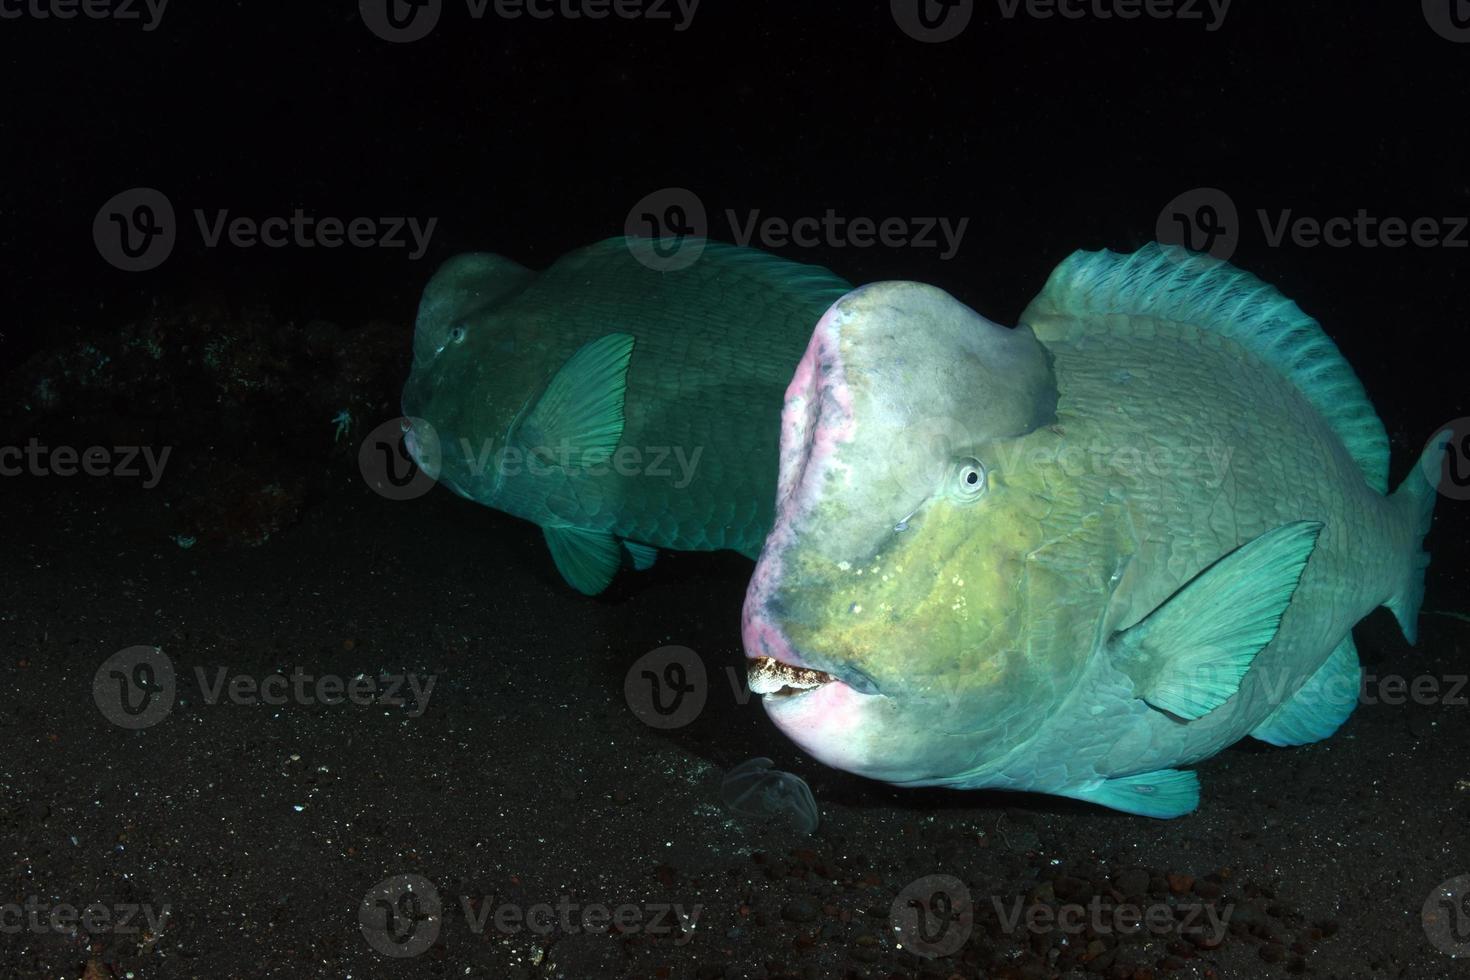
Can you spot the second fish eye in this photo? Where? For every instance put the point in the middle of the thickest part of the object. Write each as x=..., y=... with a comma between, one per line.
x=456, y=333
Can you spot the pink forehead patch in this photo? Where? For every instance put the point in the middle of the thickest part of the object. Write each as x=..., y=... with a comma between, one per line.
x=816, y=419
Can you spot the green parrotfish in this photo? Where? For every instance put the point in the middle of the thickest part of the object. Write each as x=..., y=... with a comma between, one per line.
x=618, y=399
x=1078, y=555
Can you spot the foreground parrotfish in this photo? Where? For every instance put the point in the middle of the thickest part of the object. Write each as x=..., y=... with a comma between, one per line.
x=613, y=404
x=1071, y=557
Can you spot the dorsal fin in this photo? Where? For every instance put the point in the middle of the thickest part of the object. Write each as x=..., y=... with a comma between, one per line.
x=812, y=282
x=1168, y=283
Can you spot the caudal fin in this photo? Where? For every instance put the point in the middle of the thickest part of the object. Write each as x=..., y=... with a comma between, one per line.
x=1415, y=501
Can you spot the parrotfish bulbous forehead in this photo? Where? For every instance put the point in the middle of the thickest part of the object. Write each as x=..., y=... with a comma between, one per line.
x=899, y=385
x=897, y=377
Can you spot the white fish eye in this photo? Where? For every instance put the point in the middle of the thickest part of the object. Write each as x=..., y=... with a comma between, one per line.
x=456, y=333
x=969, y=479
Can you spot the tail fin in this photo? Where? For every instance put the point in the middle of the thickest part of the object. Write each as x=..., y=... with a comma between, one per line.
x=1415, y=501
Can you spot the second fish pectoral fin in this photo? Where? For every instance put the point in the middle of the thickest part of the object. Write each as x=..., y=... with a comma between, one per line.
x=643, y=555
x=587, y=559
x=580, y=414
x=1188, y=656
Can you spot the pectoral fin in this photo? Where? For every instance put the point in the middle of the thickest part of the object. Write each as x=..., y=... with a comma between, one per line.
x=1189, y=655
x=1321, y=705
x=582, y=406
x=643, y=556
x=586, y=559
x=1165, y=793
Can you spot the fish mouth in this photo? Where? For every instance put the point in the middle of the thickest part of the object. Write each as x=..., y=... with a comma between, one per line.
x=773, y=679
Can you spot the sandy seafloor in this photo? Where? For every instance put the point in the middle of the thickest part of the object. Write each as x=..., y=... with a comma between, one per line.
x=528, y=779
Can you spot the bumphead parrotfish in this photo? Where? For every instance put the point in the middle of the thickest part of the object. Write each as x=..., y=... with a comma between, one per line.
x=615, y=401
x=1075, y=556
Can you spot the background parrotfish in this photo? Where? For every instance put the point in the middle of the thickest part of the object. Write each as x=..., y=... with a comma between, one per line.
x=616, y=405
x=1075, y=556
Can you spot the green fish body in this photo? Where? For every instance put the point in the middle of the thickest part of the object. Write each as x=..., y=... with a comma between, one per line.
x=1075, y=556
x=616, y=401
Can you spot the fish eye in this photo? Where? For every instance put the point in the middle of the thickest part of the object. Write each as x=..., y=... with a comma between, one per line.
x=456, y=333
x=969, y=480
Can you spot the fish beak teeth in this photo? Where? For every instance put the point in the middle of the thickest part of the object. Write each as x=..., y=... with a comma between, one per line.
x=769, y=676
